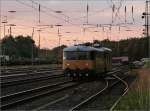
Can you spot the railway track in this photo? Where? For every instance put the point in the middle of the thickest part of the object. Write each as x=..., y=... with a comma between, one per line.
x=20, y=71
x=11, y=78
x=118, y=100
x=27, y=67
x=62, y=99
x=89, y=99
x=24, y=96
x=66, y=97
x=124, y=92
x=108, y=87
x=30, y=95
x=27, y=73
x=29, y=80
x=19, y=78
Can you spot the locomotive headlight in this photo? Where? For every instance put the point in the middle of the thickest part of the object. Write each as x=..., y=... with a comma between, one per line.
x=68, y=64
x=87, y=64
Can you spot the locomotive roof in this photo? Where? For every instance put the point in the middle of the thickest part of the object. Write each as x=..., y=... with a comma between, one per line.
x=86, y=49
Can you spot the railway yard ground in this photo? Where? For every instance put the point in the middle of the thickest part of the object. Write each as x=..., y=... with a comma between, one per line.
x=46, y=88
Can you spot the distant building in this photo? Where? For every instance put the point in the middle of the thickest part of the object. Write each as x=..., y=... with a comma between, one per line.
x=123, y=59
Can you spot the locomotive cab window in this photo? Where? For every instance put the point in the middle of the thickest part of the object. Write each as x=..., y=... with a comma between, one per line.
x=78, y=55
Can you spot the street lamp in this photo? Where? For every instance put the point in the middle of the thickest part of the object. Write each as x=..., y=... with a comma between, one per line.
x=12, y=11
x=68, y=32
x=58, y=11
x=59, y=36
x=4, y=22
x=58, y=32
x=10, y=29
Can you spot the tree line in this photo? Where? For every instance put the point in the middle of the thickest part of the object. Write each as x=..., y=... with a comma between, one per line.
x=21, y=47
x=134, y=48
x=18, y=47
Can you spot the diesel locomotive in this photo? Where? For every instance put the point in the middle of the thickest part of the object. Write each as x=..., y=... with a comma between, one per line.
x=86, y=61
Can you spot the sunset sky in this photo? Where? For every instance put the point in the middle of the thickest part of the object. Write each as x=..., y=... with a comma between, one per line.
x=73, y=19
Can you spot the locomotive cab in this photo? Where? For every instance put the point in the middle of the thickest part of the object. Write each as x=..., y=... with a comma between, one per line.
x=78, y=63
x=85, y=61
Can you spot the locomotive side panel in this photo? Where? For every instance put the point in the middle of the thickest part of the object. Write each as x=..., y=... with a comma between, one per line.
x=100, y=63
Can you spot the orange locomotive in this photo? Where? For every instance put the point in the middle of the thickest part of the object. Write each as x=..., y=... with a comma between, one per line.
x=86, y=61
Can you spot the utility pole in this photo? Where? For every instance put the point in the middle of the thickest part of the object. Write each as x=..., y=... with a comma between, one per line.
x=39, y=43
x=39, y=32
x=59, y=48
x=10, y=28
x=146, y=15
x=87, y=8
x=0, y=38
x=58, y=37
x=39, y=26
x=4, y=22
x=3, y=52
x=32, y=55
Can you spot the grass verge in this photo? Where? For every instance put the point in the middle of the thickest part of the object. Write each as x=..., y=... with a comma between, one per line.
x=138, y=97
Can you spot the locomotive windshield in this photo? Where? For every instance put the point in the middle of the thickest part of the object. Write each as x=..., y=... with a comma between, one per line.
x=78, y=55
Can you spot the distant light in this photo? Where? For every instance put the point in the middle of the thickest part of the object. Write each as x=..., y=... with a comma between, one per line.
x=5, y=22
x=12, y=11
x=87, y=64
x=143, y=13
x=128, y=30
x=58, y=11
x=68, y=64
x=12, y=24
x=68, y=32
x=58, y=25
x=39, y=30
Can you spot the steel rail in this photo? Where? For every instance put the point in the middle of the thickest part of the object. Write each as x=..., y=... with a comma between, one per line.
x=51, y=103
x=29, y=80
x=25, y=74
x=26, y=71
x=90, y=98
x=125, y=91
x=55, y=101
x=124, y=82
x=7, y=105
x=87, y=100
x=27, y=67
x=31, y=90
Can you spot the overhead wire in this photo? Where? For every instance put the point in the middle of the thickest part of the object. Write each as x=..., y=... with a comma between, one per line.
x=48, y=14
x=68, y=22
